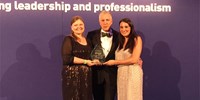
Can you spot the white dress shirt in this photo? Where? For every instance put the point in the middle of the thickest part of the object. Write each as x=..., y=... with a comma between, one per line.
x=106, y=43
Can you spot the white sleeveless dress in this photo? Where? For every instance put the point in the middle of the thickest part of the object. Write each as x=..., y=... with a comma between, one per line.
x=129, y=79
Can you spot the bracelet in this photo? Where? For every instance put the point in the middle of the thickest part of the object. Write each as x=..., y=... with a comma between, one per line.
x=84, y=62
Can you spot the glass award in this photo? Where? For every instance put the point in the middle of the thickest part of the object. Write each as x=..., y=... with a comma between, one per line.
x=97, y=53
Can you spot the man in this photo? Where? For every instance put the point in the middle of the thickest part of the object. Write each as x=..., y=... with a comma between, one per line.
x=104, y=77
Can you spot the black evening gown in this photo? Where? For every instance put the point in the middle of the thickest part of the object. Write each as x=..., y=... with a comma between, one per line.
x=76, y=78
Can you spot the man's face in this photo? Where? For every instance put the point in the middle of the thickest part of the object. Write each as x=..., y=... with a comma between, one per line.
x=105, y=21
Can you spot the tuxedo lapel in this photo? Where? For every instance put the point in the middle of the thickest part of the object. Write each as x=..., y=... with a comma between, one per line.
x=98, y=37
x=114, y=45
x=95, y=37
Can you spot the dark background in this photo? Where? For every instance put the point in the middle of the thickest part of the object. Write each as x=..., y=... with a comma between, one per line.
x=30, y=42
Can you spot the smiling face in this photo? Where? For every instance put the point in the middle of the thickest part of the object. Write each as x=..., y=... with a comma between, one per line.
x=78, y=27
x=105, y=21
x=125, y=29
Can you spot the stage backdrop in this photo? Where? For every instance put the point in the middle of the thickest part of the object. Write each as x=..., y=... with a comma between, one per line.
x=31, y=33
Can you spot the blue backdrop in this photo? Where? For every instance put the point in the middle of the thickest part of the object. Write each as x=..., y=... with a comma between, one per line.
x=30, y=42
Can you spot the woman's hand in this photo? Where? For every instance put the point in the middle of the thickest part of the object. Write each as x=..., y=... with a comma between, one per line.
x=89, y=63
x=109, y=63
x=93, y=62
x=96, y=62
x=140, y=62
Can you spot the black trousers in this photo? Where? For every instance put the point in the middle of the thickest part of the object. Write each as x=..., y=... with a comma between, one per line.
x=104, y=84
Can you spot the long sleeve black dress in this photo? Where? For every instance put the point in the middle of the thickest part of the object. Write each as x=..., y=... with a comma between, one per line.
x=76, y=78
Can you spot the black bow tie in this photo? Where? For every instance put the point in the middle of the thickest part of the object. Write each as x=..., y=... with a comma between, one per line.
x=103, y=34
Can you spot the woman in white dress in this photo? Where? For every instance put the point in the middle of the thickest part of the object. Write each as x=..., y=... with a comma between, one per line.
x=127, y=56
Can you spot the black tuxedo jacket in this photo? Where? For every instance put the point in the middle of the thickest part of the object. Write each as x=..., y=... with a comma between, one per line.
x=94, y=38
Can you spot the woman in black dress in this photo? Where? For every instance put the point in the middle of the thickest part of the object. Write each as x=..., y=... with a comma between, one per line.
x=76, y=73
